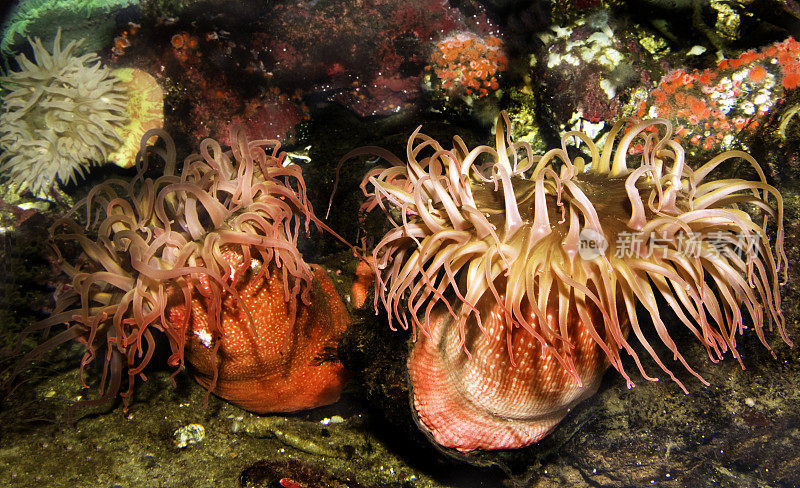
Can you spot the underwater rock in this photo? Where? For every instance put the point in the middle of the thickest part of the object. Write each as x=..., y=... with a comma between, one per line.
x=188, y=435
x=591, y=71
x=715, y=107
x=368, y=56
x=273, y=115
x=291, y=473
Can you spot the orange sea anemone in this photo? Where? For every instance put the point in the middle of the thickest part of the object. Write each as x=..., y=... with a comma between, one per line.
x=523, y=273
x=208, y=256
x=145, y=109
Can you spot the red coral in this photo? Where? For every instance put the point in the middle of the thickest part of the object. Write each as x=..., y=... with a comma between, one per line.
x=273, y=115
x=368, y=55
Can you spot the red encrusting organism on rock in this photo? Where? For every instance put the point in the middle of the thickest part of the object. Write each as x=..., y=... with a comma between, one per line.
x=711, y=107
x=272, y=115
x=368, y=55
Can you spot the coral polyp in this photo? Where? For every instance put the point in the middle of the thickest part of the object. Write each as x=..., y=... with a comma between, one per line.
x=467, y=64
x=522, y=273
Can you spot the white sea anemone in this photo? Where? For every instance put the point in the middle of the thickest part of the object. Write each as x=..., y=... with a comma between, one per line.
x=59, y=116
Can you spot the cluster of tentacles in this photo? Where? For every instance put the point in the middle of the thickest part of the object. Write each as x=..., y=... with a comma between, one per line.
x=150, y=244
x=578, y=230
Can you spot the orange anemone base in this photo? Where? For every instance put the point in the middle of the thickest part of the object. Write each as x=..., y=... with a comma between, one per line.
x=271, y=365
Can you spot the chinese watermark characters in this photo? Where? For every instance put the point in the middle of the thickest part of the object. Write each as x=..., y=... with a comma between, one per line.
x=689, y=244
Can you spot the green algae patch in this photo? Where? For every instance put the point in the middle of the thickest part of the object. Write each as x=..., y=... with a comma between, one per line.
x=41, y=18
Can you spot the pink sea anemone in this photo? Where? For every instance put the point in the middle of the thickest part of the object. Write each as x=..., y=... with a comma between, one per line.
x=523, y=272
x=220, y=232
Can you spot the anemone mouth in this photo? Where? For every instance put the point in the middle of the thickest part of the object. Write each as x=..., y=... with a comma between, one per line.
x=150, y=244
x=463, y=219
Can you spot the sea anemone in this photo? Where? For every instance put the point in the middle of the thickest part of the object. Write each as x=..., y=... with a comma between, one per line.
x=221, y=233
x=60, y=116
x=524, y=273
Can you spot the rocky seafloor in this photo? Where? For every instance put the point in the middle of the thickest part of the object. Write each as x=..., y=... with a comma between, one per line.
x=743, y=430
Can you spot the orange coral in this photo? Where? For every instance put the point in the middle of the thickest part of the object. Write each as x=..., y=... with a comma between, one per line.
x=469, y=63
x=711, y=106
